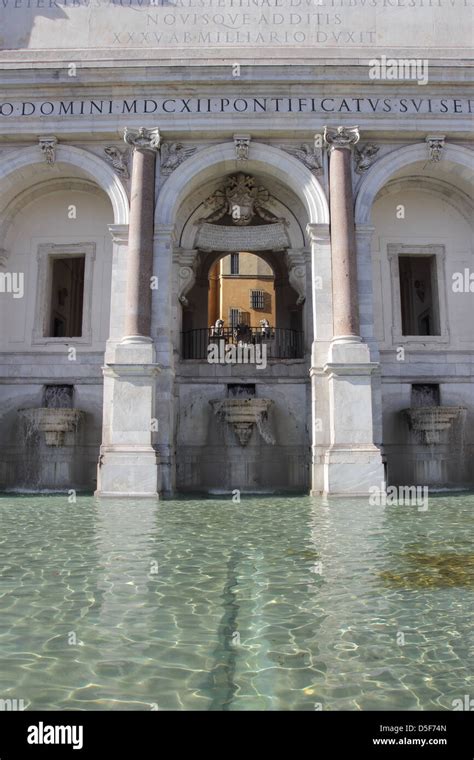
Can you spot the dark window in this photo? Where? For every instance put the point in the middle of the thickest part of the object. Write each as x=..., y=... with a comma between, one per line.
x=67, y=297
x=58, y=396
x=234, y=317
x=241, y=389
x=238, y=317
x=234, y=263
x=418, y=295
x=424, y=394
x=257, y=299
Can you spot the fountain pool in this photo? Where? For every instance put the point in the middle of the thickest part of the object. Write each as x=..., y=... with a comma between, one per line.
x=273, y=603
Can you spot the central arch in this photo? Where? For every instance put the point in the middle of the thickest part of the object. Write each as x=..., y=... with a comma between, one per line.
x=264, y=159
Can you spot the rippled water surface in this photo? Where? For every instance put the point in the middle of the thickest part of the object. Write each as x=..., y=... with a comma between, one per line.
x=274, y=603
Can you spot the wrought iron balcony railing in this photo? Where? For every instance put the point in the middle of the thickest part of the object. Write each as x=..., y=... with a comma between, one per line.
x=280, y=343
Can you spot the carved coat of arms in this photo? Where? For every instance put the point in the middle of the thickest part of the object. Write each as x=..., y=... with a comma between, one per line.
x=242, y=200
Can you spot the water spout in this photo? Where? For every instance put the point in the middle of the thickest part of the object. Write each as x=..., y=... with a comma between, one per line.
x=243, y=413
x=53, y=422
x=437, y=432
x=431, y=421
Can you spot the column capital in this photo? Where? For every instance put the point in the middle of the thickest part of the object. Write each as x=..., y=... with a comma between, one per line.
x=119, y=232
x=165, y=232
x=341, y=137
x=318, y=233
x=298, y=256
x=364, y=232
x=143, y=139
x=185, y=256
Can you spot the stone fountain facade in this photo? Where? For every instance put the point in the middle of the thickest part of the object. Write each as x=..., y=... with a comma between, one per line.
x=152, y=168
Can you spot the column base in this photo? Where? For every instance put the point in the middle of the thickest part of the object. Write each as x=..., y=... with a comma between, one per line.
x=136, y=340
x=352, y=471
x=131, y=473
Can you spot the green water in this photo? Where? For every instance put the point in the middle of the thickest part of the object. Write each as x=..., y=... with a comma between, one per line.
x=273, y=604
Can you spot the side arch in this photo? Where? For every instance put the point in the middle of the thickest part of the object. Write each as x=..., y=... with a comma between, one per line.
x=92, y=166
x=386, y=167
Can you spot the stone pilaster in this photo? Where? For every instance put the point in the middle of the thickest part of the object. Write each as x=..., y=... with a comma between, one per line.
x=119, y=234
x=322, y=329
x=128, y=461
x=352, y=462
x=165, y=326
x=364, y=237
x=364, y=234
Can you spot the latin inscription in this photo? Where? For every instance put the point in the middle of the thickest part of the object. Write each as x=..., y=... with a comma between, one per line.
x=233, y=105
x=328, y=24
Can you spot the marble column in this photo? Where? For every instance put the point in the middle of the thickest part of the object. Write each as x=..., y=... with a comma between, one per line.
x=145, y=144
x=352, y=462
x=340, y=143
x=129, y=463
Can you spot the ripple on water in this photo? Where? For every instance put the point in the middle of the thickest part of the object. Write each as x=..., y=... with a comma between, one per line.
x=275, y=603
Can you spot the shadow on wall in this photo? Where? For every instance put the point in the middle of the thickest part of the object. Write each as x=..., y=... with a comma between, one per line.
x=25, y=23
x=17, y=21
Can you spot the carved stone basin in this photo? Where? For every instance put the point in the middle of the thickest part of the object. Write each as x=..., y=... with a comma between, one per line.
x=431, y=421
x=54, y=423
x=243, y=414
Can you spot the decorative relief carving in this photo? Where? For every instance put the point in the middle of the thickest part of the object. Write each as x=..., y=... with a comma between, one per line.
x=241, y=200
x=341, y=137
x=365, y=156
x=308, y=155
x=142, y=138
x=48, y=148
x=186, y=281
x=119, y=160
x=242, y=144
x=296, y=262
x=187, y=263
x=172, y=155
x=435, y=147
